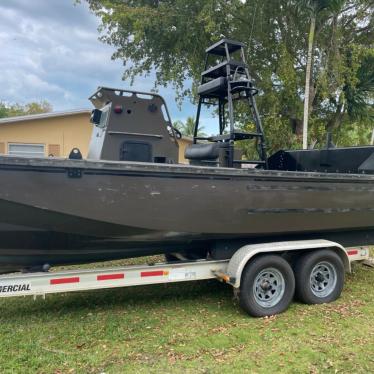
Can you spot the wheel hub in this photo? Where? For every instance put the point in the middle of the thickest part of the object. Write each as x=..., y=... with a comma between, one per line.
x=323, y=279
x=320, y=278
x=268, y=287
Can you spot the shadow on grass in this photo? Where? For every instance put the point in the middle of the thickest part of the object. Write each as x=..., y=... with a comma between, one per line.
x=136, y=298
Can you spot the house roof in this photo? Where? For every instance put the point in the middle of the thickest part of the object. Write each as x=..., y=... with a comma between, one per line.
x=31, y=117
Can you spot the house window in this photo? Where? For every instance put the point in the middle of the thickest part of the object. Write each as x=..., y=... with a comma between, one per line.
x=26, y=150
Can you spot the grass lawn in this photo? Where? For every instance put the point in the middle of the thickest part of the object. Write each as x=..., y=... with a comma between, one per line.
x=186, y=328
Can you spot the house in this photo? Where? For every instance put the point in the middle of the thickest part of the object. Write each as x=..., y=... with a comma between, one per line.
x=53, y=134
x=184, y=142
x=46, y=134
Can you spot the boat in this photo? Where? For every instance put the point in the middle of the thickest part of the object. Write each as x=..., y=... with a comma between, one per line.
x=131, y=198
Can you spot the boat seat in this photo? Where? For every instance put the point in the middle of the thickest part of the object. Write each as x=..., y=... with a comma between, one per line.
x=209, y=151
x=209, y=154
x=215, y=87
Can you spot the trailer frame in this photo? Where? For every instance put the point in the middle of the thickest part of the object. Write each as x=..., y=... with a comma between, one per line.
x=229, y=271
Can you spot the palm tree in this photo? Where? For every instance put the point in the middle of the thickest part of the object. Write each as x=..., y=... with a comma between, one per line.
x=314, y=8
x=360, y=96
x=188, y=128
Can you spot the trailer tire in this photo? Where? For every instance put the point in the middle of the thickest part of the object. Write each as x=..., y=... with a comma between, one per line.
x=319, y=277
x=267, y=286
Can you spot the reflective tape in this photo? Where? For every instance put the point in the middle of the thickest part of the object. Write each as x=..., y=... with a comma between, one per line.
x=64, y=280
x=104, y=277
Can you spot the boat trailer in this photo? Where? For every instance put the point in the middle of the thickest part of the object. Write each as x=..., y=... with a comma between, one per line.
x=254, y=271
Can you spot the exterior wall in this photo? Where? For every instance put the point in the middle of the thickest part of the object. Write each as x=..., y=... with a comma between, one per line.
x=183, y=144
x=59, y=134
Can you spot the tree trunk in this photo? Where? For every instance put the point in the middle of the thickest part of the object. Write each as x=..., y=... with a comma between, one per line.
x=307, y=80
x=336, y=119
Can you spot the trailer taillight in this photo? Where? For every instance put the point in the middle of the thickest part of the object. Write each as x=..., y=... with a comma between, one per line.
x=352, y=252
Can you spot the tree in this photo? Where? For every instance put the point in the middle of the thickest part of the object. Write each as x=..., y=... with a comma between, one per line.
x=187, y=128
x=314, y=7
x=344, y=84
x=169, y=37
x=12, y=110
x=308, y=72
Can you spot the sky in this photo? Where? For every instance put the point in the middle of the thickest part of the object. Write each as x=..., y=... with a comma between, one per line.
x=50, y=51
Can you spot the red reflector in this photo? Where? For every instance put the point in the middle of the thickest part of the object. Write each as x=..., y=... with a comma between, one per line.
x=64, y=280
x=110, y=276
x=353, y=252
x=155, y=273
x=118, y=109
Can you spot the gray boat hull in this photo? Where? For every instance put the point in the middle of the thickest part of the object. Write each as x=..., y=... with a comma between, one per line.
x=57, y=211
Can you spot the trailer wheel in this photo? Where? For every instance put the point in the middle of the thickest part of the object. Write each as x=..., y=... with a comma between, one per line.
x=267, y=286
x=319, y=277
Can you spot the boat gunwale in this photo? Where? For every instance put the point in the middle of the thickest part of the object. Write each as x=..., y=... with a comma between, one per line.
x=154, y=169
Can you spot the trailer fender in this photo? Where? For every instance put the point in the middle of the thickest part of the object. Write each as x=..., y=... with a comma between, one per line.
x=243, y=255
